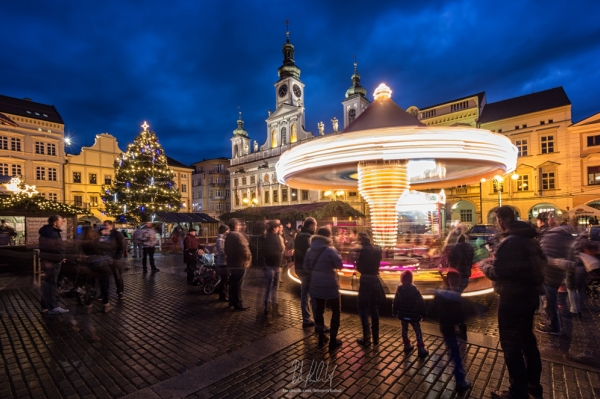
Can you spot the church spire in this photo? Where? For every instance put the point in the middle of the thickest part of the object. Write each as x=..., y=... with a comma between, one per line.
x=240, y=129
x=289, y=68
x=356, y=89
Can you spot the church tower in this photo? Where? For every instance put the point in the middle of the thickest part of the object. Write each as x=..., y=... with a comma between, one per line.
x=240, y=142
x=356, y=101
x=285, y=126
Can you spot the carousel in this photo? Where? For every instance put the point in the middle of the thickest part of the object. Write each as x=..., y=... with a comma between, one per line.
x=395, y=161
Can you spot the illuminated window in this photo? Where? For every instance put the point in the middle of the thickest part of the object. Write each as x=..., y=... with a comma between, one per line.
x=16, y=170
x=267, y=197
x=237, y=200
x=283, y=136
x=52, y=174
x=76, y=177
x=294, y=194
x=3, y=143
x=523, y=183
x=294, y=133
x=284, y=194
x=593, y=175
x=275, y=196
x=40, y=173
x=93, y=178
x=547, y=144
x=94, y=201
x=522, y=147
x=107, y=180
x=273, y=138
x=498, y=186
x=4, y=169
x=466, y=215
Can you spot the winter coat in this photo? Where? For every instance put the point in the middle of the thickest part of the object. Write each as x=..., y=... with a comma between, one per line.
x=52, y=247
x=137, y=236
x=288, y=237
x=301, y=247
x=236, y=251
x=148, y=237
x=273, y=250
x=517, y=270
x=190, y=249
x=117, y=240
x=556, y=243
x=322, y=261
x=220, y=258
x=369, y=260
x=447, y=304
x=257, y=249
x=461, y=258
x=409, y=303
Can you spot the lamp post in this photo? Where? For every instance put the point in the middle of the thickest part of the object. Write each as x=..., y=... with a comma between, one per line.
x=500, y=185
x=483, y=180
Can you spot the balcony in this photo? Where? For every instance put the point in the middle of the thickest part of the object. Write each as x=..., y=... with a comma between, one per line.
x=218, y=172
x=217, y=184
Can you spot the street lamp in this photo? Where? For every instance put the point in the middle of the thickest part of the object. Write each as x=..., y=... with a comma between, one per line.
x=500, y=185
x=481, y=200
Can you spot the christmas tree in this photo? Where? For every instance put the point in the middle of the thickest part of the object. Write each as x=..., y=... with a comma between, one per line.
x=143, y=183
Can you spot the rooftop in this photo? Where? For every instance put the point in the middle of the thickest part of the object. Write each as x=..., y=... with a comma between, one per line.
x=480, y=96
x=173, y=162
x=29, y=109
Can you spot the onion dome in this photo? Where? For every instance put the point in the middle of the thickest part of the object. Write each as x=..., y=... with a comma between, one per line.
x=240, y=129
x=356, y=89
x=289, y=68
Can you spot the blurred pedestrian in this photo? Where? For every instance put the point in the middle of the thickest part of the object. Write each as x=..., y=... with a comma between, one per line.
x=137, y=242
x=238, y=259
x=301, y=246
x=221, y=262
x=149, y=241
x=97, y=259
x=409, y=307
x=370, y=292
x=273, y=252
x=52, y=256
x=190, y=254
x=447, y=304
x=323, y=261
x=7, y=233
x=517, y=273
x=117, y=242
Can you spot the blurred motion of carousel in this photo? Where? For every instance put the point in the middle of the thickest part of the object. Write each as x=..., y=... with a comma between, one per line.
x=389, y=154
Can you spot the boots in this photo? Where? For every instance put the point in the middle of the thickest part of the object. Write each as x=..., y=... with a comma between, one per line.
x=375, y=336
x=366, y=340
x=276, y=310
x=422, y=352
x=334, y=343
x=323, y=339
x=407, y=346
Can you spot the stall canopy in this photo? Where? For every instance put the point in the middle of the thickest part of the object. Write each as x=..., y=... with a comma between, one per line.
x=175, y=217
x=318, y=210
x=583, y=210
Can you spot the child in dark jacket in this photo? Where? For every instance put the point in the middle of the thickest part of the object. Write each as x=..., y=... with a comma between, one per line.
x=409, y=307
x=447, y=304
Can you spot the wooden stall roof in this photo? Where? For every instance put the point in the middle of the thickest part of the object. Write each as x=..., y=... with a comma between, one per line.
x=318, y=210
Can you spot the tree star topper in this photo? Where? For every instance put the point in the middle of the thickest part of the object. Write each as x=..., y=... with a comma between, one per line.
x=145, y=126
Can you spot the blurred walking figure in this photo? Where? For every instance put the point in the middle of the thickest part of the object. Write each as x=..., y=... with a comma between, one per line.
x=149, y=241
x=190, y=253
x=409, y=307
x=323, y=261
x=117, y=242
x=7, y=233
x=98, y=260
x=370, y=292
x=137, y=242
x=577, y=275
x=447, y=304
x=221, y=262
x=273, y=251
x=301, y=246
x=52, y=256
x=238, y=259
x=517, y=273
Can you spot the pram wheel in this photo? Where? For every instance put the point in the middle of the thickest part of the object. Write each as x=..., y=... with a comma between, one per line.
x=208, y=288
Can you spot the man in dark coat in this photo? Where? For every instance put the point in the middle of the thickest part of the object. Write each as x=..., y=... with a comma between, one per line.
x=52, y=256
x=370, y=292
x=190, y=250
x=517, y=273
x=273, y=252
x=301, y=246
x=238, y=257
x=117, y=241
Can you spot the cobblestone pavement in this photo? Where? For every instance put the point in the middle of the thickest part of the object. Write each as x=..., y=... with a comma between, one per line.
x=167, y=339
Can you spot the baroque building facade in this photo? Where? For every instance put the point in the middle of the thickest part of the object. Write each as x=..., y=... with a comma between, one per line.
x=211, y=192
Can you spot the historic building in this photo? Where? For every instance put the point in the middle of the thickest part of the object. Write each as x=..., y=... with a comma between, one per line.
x=537, y=125
x=183, y=182
x=252, y=166
x=210, y=187
x=32, y=145
x=585, y=161
x=86, y=173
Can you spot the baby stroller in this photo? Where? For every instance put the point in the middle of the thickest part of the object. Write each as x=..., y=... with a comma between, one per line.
x=206, y=275
x=76, y=281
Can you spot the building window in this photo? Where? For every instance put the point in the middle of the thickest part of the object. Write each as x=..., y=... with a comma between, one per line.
x=499, y=130
x=53, y=196
x=244, y=181
x=275, y=196
x=294, y=134
x=93, y=178
x=219, y=193
x=428, y=114
x=459, y=106
x=78, y=200
x=76, y=177
x=304, y=195
x=550, y=120
x=593, y=175
x=40, y=173
x=593, y=141
x=524, y=126
x=107, y=180
x=252, y=180
x=547, y=144
x=210, y=194
x=94, y=202
x=497, y=186
x=235, y=182
x=548, y=182
x=51, y=149
x=542, y=122
x=273, y=138
x=15, y=144
x=283, y=136
x=284, y=194
x=516, y=127
x=237, y=200
x=522, y=147
x=267, y=197
x=523, y=183
x=16, y=170
x=4, y=169
x=352, y=194
x=218, y=206
x=3, y=143
x=52, y=174
x=294, y=194
x=466, y=215
x=184, y=188
x=227, y=193
x=39, y=147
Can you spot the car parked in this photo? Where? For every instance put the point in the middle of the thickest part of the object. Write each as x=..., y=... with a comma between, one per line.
x=486, y=232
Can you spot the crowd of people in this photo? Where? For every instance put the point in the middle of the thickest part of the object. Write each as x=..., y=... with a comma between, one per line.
x=527, y=267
